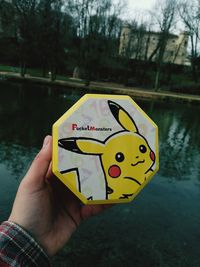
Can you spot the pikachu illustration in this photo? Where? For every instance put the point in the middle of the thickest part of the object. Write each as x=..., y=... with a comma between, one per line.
x=126, y=158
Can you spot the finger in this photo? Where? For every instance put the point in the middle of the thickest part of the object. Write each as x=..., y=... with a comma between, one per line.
x=91, y=210
x=39, y=167
x=49, y=172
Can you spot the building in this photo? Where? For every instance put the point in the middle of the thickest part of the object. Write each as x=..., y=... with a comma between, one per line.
x=141, y=45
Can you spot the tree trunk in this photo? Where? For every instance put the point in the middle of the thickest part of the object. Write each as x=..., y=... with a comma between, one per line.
x=23, y=69
x=158, y=72
x=157, y=79
x=194, y=72
x=53, y=75
x=76, y=73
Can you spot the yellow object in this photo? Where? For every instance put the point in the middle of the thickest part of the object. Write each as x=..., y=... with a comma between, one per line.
x=105, y=149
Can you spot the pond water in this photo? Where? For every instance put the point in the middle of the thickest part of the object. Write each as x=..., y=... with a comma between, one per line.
x=160, y=228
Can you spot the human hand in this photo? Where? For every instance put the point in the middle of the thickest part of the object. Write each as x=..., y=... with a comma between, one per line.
x=45, y=207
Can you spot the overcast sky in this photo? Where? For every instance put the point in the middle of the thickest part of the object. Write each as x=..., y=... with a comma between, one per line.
x=135, y=7
x=140, y=4
x=144, y=5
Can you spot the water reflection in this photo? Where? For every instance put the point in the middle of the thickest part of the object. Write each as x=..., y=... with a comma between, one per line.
x=179, y=140
x=162, y=223
x=16, y=158
x=28, y=112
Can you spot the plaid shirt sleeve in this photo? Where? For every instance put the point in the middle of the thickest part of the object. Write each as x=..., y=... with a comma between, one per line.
x=18, y=248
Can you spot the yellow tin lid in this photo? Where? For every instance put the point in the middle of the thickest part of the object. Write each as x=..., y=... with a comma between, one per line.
x=105, y=149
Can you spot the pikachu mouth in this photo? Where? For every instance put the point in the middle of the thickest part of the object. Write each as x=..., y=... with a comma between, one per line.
x=134, y=180
x=141, y=161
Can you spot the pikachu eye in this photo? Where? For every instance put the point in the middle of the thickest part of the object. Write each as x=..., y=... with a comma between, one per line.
x=119, y=157
x=143, y=149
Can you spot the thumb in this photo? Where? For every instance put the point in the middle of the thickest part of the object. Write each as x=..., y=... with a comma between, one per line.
x=39, y=167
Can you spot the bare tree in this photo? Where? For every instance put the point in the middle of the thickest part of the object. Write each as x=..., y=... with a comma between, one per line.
x=189, y=13
x=165, y=16
x=135, y=37
x=25, y=11
x=137, y=41
x=41, y=27
x=98, y=25
x=52, y=34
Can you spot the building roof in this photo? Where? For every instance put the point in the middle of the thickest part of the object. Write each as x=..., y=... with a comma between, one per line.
x=171, y=35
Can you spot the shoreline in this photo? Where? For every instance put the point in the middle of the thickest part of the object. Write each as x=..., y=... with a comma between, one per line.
x=102, y=87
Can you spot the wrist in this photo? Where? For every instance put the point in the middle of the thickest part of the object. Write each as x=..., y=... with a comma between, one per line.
x=20, y=247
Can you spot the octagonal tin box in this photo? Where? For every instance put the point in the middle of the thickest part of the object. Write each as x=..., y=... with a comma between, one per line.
x=105, y=149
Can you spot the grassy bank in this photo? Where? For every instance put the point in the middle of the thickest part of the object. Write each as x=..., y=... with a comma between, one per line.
x=34, y=76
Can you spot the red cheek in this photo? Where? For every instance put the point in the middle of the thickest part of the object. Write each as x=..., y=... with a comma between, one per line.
x=114, y=171
x=152, y=156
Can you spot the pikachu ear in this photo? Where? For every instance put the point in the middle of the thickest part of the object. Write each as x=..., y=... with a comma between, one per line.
x=82, y=145
x=122, y=117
